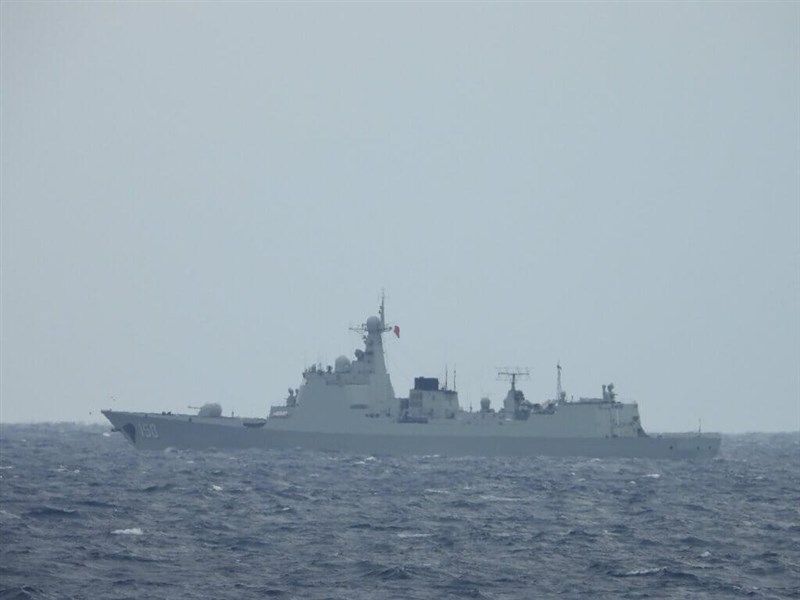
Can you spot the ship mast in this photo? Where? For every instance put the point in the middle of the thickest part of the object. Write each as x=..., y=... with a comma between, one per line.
x=559, y=391
x=382, y=327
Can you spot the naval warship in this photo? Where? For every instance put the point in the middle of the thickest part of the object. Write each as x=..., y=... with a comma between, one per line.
x=351, y=407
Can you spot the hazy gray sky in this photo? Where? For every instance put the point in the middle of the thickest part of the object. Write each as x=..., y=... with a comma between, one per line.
x=199, y=198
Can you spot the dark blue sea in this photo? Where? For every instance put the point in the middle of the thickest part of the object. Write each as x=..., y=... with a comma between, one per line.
x=84, y=515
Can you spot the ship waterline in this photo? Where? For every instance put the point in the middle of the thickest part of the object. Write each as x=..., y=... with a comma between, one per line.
x=159, y=432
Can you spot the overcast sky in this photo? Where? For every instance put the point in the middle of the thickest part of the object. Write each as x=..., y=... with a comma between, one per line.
x=198, y=199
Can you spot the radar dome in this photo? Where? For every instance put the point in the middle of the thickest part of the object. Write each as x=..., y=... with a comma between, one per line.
x=342, y=364
x=373, y=324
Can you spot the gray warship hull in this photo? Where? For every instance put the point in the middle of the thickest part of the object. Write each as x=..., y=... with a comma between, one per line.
x=352, y=407
x=159, y=432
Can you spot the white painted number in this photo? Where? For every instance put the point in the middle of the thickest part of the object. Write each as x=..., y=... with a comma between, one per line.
x=148, y=430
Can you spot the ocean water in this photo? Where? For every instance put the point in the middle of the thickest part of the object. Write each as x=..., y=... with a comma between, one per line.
x=84, y=515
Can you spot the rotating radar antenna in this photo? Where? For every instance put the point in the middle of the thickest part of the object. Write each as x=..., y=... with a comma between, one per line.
x=512, y=374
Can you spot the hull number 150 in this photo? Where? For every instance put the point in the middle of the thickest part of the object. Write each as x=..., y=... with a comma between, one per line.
x=148, y=430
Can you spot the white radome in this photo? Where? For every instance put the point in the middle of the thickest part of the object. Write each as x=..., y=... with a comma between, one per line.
x=373, y=324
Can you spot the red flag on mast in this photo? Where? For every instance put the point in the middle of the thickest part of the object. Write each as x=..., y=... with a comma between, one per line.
x=397, y=330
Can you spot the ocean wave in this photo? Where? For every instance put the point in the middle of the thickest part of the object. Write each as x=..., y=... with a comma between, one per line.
x=131, y=531
x=292, y=524
x=52, y=511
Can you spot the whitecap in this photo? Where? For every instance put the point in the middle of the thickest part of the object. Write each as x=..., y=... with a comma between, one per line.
x=106, y=434
x=435, y=491
x=131, y=531
x=639, y=572
x=705, y=554
x=413, y=535
x=5, y=467
x=653, y=475
x=216, y=488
